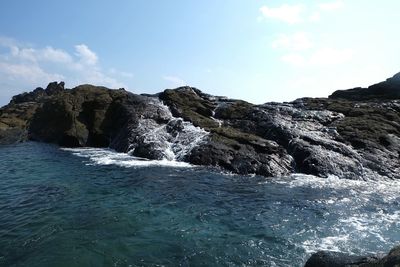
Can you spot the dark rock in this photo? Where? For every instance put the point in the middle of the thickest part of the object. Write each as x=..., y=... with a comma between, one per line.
x=353, y=134
x=39, y=93
x=14, y=121
x=12, y=135
x=387, y=90
x=190, y=104
x=337, y=259
x=87, y=116
x=54, y=88
x=28, y=97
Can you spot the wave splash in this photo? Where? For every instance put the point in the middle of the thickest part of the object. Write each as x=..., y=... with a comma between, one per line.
x=171, y=139
x=349, y=211
x=101, y=156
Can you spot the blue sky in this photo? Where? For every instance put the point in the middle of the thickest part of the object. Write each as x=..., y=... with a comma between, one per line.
x=255, y=50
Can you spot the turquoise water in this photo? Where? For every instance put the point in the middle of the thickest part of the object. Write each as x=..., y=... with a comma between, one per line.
x=93, y=207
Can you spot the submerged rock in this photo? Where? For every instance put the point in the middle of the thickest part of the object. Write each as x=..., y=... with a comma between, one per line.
x=352, y=134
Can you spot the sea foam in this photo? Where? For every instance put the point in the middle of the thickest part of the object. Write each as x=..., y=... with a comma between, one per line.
x=101, y=156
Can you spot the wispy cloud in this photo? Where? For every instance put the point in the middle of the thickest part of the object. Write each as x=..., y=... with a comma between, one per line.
x=331, y=5
x=34, y=74
x=325, y=7
x=47, y=54
x=287, y=13
x=294, y=14
x=297, y=41
x=86, y=56
x=174, y=80
x=24, y=66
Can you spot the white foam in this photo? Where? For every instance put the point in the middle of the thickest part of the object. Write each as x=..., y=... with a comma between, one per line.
x=388, y=189
x=171, y=143
x=359, y=216
x=100, y=156
x=332, y=243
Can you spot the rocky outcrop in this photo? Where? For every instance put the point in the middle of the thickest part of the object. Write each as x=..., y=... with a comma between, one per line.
x=337, y=259
x=352, y=134
x=230, y=146
x=389, y=89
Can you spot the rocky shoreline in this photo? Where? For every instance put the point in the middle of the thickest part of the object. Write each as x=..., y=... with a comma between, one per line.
x=353, y=134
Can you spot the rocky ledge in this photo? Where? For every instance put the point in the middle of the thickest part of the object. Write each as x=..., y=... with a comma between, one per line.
x=352, y=134
x=337, y=259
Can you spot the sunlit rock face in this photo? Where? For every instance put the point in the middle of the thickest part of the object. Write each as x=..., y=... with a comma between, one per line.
x=352, y=134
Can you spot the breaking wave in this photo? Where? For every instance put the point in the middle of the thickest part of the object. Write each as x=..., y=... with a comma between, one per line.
x=172, y=139
x=101, y=156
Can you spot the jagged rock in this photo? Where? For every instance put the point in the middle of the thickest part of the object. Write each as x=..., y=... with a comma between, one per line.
x=389, y=89
x=52, y=89
x=353, y=134
x=190, y=104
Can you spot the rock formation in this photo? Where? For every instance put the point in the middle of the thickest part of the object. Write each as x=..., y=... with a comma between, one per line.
x=352, y=134
x=337, y=259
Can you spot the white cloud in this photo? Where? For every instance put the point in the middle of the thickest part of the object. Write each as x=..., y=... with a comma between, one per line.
x=330, y=56
x=26, y=67
x=293, y=14
x=48, y=54
x=174, y=80
x=321, y=57
x=28, y=73
x=24, y=53
x=297, y=41
x=288, y=13
x=55, y=55
x=331, y=5
x=87, y=56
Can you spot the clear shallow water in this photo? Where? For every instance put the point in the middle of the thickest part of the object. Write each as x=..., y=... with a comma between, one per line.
x=100, y=208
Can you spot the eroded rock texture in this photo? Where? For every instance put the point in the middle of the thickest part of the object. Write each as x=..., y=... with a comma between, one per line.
x=352, y=134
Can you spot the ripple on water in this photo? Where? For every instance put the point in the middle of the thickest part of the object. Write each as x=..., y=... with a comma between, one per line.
x=83, y=207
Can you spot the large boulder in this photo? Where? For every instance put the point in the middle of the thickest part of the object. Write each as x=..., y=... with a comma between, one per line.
x=84, y=116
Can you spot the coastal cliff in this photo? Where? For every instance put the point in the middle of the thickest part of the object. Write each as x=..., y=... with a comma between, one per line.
x=352, y=134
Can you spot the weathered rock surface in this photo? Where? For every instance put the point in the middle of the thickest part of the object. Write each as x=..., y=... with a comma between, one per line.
x=337, y=259
x=352, y=134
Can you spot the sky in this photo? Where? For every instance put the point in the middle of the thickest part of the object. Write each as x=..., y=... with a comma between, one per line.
x=256, y=50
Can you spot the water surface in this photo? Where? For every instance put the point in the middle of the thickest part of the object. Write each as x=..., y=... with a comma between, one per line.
x=94, y=207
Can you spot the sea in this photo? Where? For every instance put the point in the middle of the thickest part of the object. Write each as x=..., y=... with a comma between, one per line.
x=96, y=207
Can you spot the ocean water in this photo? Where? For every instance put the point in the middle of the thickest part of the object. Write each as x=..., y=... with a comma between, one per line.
x=96, y=207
